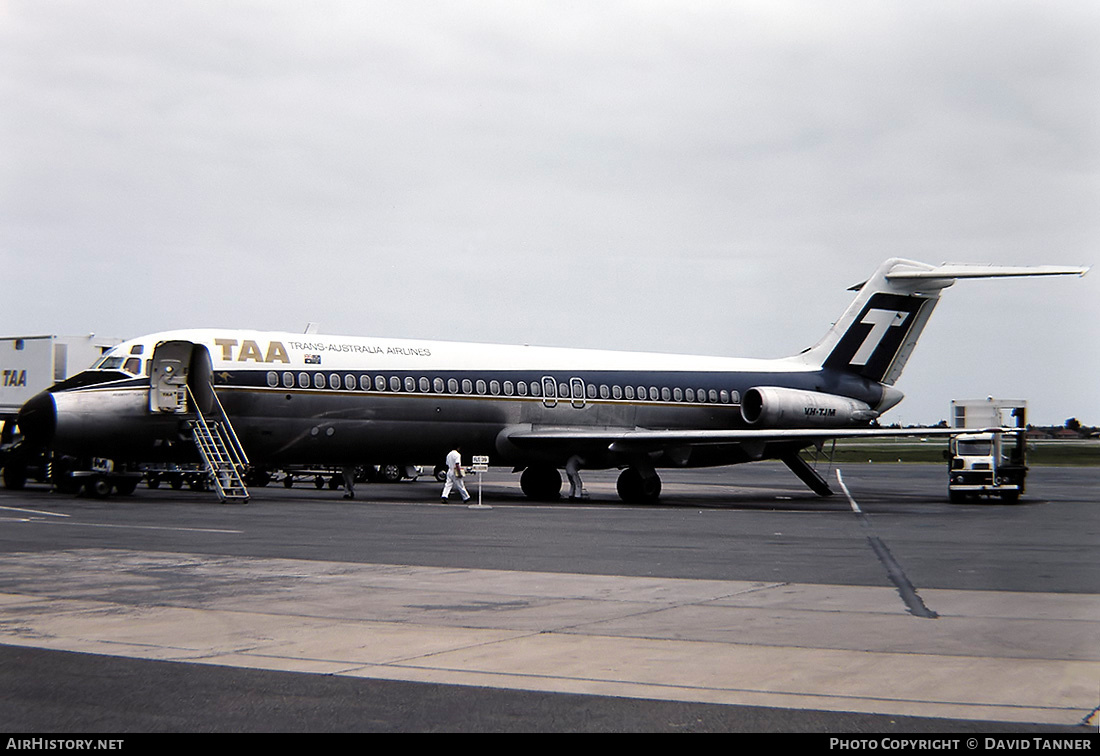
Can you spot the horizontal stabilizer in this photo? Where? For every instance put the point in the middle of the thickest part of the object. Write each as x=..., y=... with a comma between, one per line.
x=950, y=271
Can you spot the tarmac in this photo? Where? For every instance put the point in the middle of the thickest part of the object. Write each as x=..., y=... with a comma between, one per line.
x=741, y=601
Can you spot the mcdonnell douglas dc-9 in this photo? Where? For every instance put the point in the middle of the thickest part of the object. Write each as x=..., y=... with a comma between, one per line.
x=258, y=401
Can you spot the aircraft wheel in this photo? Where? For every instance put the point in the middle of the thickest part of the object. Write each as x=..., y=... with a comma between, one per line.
x=541, y=483
x=97, y=486
x=15, y=475
x=258, y=478
x=63, y=479
x=127, y=486
x=633, y=488
x=288, y=481
x=66, y=483
x=441, y=473
x=390, y=473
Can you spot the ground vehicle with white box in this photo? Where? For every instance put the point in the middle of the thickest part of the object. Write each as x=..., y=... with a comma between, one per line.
x=992, y=461
x=28, y=365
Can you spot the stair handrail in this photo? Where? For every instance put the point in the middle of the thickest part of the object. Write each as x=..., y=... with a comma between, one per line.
x=215, y=447
x=198, y=412
x=235, y=448
x=238, y=448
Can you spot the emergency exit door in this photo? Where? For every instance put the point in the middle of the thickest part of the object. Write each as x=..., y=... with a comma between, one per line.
x=576, y=388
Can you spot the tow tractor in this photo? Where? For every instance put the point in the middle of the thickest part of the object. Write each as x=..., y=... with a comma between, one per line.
x=991, y=462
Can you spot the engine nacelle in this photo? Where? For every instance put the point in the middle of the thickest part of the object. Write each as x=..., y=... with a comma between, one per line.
x=777, y=407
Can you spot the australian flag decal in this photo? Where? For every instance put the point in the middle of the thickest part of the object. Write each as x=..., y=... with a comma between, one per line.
x=313, y=359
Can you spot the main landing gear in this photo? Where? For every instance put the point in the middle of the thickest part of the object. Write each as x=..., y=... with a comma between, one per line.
x=541, y=483
x=635, y=485
x=638, y=486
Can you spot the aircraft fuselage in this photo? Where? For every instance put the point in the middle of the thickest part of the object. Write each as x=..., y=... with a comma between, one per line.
x=297, y=399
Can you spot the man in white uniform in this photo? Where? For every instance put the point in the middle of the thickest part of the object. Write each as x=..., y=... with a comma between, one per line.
x=454, y=475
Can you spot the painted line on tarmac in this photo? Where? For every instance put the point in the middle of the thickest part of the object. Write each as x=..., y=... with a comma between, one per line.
x=913, y=601
x=150, y=527
x=35, y=511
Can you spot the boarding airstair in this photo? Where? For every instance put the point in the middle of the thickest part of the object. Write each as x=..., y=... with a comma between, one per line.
x=220, y=450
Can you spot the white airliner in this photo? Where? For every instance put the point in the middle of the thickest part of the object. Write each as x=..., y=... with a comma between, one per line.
x=335, y=400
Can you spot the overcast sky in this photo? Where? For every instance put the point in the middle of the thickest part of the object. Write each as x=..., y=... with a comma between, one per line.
x=689, y=177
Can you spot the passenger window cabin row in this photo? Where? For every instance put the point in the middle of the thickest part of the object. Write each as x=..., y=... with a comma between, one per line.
x=545, y=389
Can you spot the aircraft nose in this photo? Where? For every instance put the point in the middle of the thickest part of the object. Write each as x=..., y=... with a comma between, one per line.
x=38, y=419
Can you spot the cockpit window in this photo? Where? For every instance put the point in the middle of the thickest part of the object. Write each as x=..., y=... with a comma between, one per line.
x=108, y=362
x=111, y=361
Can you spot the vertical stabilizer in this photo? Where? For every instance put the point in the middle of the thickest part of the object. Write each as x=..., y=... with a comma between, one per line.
x=877, y=333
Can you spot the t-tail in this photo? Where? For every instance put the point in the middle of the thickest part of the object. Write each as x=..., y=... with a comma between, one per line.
x=877, y=333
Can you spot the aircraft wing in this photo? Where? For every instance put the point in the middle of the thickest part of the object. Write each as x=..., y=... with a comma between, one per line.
x=640, y=439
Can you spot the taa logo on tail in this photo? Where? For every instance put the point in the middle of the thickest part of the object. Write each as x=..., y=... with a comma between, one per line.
x=881, y=321
x=877, y=334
